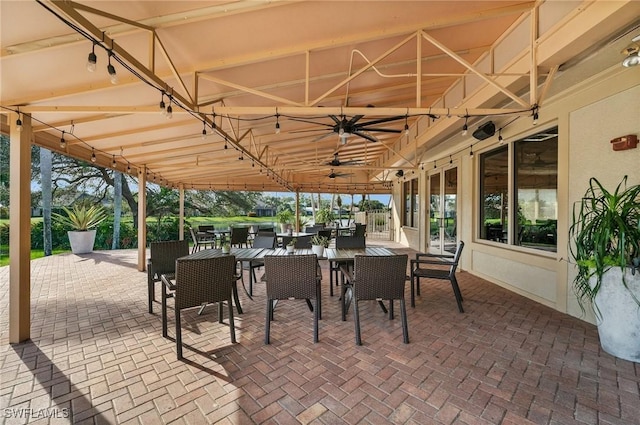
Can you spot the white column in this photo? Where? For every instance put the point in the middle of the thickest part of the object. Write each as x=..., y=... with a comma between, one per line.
x=181, y=215
x=20, y=234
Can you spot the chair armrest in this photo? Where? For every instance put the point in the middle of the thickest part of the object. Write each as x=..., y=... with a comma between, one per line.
x=439, y=263
x=167, y=281
x=419, y=255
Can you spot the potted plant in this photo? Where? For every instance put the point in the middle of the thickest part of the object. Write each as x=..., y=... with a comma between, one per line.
x=226, y=247
x=82, y=220
x=606, y=249
x=284, y=217
x=318, y=244
x=291, y=245
x=325, y=215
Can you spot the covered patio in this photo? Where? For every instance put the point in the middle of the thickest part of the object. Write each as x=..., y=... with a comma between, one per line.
x=97, y=353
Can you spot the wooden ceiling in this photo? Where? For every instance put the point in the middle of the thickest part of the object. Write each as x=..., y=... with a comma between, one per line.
x=239, y=69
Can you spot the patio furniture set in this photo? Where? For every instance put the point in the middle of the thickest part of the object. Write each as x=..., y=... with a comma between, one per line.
x=210, y=276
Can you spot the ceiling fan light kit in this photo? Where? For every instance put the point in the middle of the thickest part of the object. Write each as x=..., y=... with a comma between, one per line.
x=485, y=131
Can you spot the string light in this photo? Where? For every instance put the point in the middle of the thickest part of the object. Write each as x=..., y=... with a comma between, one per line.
x=63, y=143
x=204, y=129
x=535, y=116
x=18, y=123
x=465, y=127
x=92, y=60
x=112, y=70
x=128, y=167
x=500, y=139
x=406, y=125
x=113, y=162
x=471, y=150
x=450, y=160
x=225, y=143
x=93, y=155
x=277, y=123
x=163, y=107
x=169, y=110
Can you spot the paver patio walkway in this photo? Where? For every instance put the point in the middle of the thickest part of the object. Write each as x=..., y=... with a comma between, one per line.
x=97, y=356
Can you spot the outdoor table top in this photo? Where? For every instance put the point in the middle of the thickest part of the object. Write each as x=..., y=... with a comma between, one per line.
x=241, y=254
x=348, y=254
x=294, y=234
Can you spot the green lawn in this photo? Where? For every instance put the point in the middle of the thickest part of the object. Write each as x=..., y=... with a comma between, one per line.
x=219, y=222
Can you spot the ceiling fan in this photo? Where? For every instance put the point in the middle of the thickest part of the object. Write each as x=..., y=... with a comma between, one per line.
x=335, y=162
x=344, y=127
x=333, y=175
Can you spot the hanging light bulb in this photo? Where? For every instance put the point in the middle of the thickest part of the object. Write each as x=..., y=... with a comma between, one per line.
x=63, y=143
x=406, y=125
x=450, y=160
x=434, y=165
x=535, y=116
x=112, y=71
x=471, y=150
x=113, y=162
x=163, y=107
x=465, y=127
x=19, y=124
x=92, y=59
x=277, y=123
x=204, y=129
x=225, y=143
x=93, y=155
x=128, y=167
x=169, y=110
x=500, y=139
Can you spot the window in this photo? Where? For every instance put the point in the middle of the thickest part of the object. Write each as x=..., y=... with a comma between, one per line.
x=533, y=176
x=411, y=206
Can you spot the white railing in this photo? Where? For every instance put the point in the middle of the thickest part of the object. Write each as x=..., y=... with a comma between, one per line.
x=378, y=223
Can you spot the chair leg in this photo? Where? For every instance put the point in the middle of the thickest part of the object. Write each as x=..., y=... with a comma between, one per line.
x=391, y=310
x=151, y=289
x=316, y=316
x=164, y=311
x=331, y=279
x=457, y=293
x=221, y=310
x=178, y=335
x=309, y=304
x=235, y=298
x=232, y=324
x=413, y=295
x=418, y=285
x=267, y=326
x=405, y=325
x=356, y=321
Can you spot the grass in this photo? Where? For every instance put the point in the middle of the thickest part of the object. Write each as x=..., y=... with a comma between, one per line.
x=219, y=222
x=35, y=253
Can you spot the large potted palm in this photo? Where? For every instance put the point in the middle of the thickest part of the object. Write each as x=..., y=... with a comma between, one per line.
x=605, y=236
x=82, y=220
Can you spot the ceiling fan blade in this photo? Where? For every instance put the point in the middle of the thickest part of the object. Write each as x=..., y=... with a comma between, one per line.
x=381, y=130
x=355, y=119
x=317, y=139
x=366, y=136
x=335, y=119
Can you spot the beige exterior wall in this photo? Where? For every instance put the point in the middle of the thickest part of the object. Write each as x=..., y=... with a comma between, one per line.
x=588, y=116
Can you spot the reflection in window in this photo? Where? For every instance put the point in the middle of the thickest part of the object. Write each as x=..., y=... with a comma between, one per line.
x=494, y=189
x=535, y=182
x=411, y=206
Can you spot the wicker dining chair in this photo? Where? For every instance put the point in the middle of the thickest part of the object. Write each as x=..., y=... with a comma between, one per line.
x=201, y=240
x=162, y=260
x=198, y=282
x=379, y=278
x=239, y=237
x=292, y=277
x=433, y=266
x=343, y=242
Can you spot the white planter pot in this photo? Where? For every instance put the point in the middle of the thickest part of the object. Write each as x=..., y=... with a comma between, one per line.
x=318, y=250
x=618, y=314
x=82, y=242
x=290, y=249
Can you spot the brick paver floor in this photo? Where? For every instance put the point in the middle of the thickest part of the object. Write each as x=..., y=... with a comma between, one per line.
x=97, y=356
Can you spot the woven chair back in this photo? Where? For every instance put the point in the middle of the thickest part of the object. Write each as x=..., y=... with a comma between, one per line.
x=206, y=280
x=346, y=242
x=291, y=276
x=165, y=253
x=379, y=277
x=265, y=240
